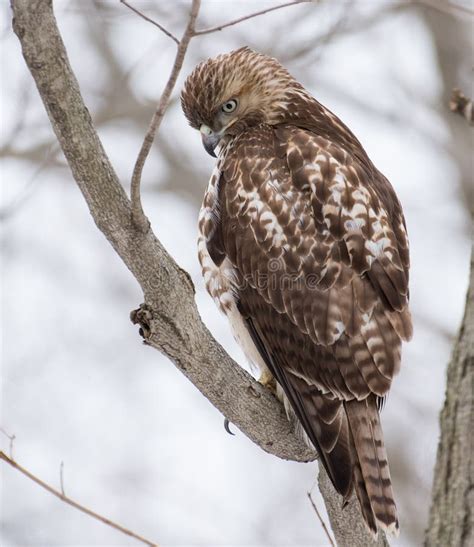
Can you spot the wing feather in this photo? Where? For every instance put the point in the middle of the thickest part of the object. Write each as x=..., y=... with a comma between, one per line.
x=319, y=244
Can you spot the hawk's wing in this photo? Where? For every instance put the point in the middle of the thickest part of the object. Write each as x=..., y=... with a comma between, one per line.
x=320, y=252
x=322, y=241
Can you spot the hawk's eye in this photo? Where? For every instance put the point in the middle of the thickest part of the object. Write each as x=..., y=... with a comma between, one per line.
x=229, y=106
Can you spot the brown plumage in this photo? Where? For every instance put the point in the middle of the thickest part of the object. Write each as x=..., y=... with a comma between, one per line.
x=303, y=246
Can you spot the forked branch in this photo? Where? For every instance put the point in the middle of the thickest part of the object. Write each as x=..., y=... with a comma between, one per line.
x=250, y=16
x=152, y=21
x=66, y=499
x=138, y=216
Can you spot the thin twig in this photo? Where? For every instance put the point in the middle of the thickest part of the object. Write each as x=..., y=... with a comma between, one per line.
x=138, y=216
x=11, y=208
x=326, y=531
x=12, y=440
x=143, y=16
x=250, y=16
x=61, y=478
x=73, y=503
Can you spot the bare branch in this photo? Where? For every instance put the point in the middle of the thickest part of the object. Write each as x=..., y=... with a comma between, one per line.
x=460, y=104
x=138, y=216
x=250, y=16
x=321, y=520
x=61, y=477
x=143, y=16
x=11, y=439
x=73, y=503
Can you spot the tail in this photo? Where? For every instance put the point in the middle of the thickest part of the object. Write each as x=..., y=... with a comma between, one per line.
x=349, y=441
x=371, y=476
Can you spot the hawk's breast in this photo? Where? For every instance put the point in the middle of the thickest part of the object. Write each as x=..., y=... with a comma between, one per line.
x=221, y=278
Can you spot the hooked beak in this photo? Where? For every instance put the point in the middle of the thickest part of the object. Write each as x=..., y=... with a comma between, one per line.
x=209, y=139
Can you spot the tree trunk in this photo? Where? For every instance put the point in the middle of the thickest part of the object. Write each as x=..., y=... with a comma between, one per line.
x=450, y=522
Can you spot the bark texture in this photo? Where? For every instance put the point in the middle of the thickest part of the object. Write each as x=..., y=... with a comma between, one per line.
x=347, y=535
x=451, y=515
x=169, y=318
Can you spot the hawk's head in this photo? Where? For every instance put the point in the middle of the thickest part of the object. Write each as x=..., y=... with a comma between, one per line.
x=236, y=90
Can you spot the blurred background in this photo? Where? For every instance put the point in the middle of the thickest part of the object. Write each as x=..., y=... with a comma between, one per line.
x=138, y=442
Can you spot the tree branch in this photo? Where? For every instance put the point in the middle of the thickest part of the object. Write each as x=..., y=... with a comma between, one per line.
x=155, y=23
x=138, y=216
x=73, y=503
x=246, y=17
x=320, y=518
x=346, y=522
x=169, y=318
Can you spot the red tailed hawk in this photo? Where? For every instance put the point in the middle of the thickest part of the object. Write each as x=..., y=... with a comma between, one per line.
x=303, y=246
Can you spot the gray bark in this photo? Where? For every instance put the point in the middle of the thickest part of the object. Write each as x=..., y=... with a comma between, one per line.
x=347, y=535
x=450, y=521
x=169, y=318
x=451, y=515
x=453, y=40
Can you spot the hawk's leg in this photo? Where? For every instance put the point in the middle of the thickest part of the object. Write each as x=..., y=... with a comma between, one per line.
x=267, y=379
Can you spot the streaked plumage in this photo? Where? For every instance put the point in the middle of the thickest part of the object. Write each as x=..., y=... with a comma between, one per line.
x=303, y=246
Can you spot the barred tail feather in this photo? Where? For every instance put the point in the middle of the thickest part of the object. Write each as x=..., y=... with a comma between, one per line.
x=371, y=472
x=363, y=497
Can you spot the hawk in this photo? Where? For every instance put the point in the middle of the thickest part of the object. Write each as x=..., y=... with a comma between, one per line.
x=303, y=245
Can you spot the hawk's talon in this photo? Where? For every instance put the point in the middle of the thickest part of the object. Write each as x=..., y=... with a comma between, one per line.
x=227, y=427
